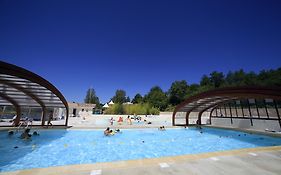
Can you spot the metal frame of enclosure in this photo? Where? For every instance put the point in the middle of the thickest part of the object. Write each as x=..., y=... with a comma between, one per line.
x=233, y=99
x=23, y=89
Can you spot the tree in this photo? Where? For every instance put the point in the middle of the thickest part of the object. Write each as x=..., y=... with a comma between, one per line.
x=157, y=98
x=119, y=109
x=91, y=97
x=250, y=79
x=177, y=92
x=137, y=99
x=217, y=78
x=205, y=81
x=229, y=79
x=120, y=96
x=193, y=89
x=238, y=78
x=275, y=77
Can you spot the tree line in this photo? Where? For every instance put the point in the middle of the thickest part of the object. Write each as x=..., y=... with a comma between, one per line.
x=179, y=90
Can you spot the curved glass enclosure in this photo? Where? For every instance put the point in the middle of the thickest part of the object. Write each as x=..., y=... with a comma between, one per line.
x=27, y=98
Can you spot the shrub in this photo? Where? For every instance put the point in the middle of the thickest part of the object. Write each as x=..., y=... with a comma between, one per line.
x=139, y=109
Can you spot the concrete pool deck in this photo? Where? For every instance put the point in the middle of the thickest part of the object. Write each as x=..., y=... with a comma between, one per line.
x=262, y=160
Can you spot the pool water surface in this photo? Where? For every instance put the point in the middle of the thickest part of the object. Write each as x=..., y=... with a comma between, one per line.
x=67, y=147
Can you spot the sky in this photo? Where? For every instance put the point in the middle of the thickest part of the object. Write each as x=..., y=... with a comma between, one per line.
x=135, y=45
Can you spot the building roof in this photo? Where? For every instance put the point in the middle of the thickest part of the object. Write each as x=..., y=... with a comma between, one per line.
x=105, y=105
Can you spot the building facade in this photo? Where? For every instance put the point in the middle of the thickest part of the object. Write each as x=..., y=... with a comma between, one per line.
x=78, y=109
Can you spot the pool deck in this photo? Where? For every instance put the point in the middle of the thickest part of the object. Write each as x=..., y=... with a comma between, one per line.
x=262, y=160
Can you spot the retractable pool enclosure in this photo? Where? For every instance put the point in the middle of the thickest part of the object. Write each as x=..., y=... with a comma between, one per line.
x=25, y=94
x=232, y=105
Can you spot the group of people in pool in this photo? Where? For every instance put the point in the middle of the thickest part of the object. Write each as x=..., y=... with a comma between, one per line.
x=25, y=135
x=110, y=132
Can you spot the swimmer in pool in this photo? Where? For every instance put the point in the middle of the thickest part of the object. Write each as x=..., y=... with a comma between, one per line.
x=25, y=135
x=107, y=131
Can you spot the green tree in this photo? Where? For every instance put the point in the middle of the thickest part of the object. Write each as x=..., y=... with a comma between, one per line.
x=193, y=89
x=205, y=81
x=250, y=79
x=157, y=98
x=275, y=79
x=217, y=78
x=229, y=79
x=177, y=92
x=119, y=109
x=137, y=99
x=91, y=97
x=120, y=96
x=238, y=78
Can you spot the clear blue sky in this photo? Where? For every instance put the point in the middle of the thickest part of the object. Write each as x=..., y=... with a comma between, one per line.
x=134, y=45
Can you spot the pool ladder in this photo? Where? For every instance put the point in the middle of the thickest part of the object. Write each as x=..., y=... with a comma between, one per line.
x=21, y=126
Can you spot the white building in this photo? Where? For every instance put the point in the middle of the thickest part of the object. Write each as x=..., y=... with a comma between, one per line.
x=77, y=109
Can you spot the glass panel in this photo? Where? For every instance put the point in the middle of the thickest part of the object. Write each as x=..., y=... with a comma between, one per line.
x=55, y=116
x=278, y=103
x=271, y=109
x=180, y=118
x=233, y=111
x=253, y=108
x=239, y=108
x=221, y=112
x=227, y=110
x=7, y=114
x=261, y=107
x=244, y=104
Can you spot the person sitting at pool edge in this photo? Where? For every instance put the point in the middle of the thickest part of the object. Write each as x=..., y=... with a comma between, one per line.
x=25, y=134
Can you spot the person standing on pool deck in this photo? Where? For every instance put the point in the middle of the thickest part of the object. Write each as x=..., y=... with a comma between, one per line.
x=120, y=121
x=129, y=121
x=50, y=119
x=111, y=121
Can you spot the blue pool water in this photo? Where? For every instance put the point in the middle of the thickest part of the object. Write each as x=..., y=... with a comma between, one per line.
x=65, y=147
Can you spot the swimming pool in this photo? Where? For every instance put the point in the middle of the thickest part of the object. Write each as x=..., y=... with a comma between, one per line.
x=66, y=147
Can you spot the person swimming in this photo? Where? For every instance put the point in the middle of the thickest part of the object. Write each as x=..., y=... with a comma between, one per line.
x=108, y=132
x=117, y=131
x=10, y=132
x=35, y=133
x=25, y=135
x=162, y=128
